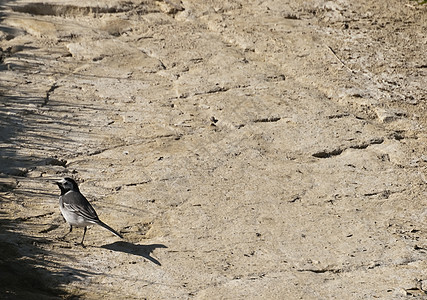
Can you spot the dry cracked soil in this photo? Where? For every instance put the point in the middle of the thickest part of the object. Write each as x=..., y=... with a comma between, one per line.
x=244, y=149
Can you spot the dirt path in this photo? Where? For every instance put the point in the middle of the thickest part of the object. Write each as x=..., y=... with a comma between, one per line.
x=263, y=150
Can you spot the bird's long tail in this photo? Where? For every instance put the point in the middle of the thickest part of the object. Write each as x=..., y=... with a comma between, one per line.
x=109, y=228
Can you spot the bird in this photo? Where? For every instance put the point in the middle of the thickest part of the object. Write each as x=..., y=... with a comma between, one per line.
x=76, y=209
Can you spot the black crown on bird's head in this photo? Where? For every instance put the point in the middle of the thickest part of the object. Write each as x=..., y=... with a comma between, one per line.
x=67, y=184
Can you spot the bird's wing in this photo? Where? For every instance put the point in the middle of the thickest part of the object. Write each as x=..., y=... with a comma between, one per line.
x=78, y=204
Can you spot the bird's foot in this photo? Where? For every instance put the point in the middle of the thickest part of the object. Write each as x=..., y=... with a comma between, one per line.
x=62, y=238
x=80, y=244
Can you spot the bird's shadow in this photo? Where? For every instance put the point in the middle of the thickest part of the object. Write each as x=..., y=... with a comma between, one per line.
x=140, y=250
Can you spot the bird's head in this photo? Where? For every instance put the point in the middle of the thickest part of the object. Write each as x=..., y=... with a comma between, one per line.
x=67, y=184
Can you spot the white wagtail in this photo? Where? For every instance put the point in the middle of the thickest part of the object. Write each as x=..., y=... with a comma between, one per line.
x=75, y=208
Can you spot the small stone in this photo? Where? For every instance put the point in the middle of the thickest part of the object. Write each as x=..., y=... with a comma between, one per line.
x=400, y=292
x=387, y=115
x=20, y=172
x=384, y=115
x=7, y=184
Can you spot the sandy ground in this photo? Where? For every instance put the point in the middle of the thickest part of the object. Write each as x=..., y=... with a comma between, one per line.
x=244, y=149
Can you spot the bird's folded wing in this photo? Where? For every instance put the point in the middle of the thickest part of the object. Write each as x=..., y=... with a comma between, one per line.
x=79, y=205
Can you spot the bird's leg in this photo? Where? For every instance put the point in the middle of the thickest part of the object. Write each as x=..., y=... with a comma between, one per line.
x=84, y=233
x=71, y=229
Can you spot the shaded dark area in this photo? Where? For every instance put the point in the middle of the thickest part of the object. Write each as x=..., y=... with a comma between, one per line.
x=25, y=273
x=140, y=250
x=30, y=126
x=35, y=123
x=20, y=279
x=47, y=9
